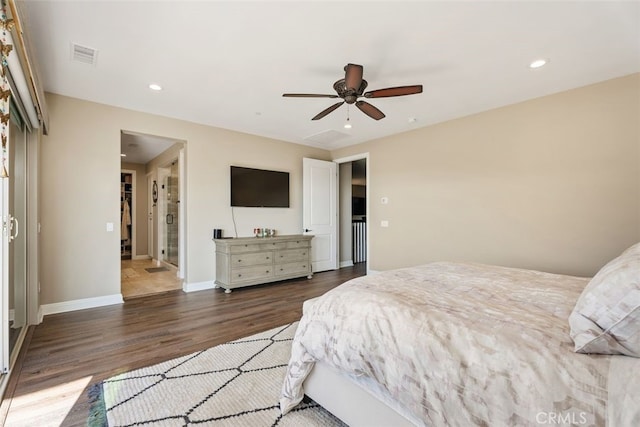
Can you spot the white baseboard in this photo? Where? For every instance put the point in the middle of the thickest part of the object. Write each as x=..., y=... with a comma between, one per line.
x=136, y=257
x=348, y=263
x=40, y=315
x=81, y=304
x=199, y=286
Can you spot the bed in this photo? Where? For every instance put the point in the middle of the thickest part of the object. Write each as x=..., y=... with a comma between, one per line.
x=460, y=344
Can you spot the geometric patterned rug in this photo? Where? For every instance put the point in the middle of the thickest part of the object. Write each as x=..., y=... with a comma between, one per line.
x=233, y=384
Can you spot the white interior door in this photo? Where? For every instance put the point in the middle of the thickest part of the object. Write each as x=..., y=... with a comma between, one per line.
x=320, y=212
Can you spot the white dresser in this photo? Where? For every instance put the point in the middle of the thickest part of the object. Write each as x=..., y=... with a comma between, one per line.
x=247, y=261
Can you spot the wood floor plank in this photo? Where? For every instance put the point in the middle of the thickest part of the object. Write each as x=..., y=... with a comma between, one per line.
x=70, y=351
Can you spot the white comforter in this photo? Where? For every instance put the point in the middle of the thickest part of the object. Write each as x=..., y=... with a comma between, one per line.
x=466, y=344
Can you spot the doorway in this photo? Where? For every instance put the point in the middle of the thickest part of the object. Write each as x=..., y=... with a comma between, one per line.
x=354, y=189
x=171, y=207
x=154, y=164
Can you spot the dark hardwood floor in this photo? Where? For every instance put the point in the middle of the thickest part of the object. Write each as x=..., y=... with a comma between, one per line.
x=68, y=352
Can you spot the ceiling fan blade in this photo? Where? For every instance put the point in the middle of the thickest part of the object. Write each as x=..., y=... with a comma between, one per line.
x=353, y=76
x=326, y=111
x=394, y=91
x=308, y=95
x=370, y=110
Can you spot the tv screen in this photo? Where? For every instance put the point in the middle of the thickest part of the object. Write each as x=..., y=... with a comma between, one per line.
x=259, y=188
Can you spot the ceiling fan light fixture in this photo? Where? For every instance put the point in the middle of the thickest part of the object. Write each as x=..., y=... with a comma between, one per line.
x=347, y=124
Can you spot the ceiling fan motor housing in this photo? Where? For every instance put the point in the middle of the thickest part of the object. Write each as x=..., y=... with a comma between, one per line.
x=350, y=96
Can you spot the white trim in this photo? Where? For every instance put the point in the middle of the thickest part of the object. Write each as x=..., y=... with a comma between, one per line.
x=40, y=315
x=373, y=272
x=348, y=263
x=143, y=257
x=182, y=192
x=81, y=304
x=199, y=286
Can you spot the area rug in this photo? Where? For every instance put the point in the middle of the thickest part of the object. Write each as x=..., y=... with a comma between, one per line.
x=156, y=269
x=233, y=384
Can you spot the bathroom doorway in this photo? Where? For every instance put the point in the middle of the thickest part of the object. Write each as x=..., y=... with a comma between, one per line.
x=170, y=220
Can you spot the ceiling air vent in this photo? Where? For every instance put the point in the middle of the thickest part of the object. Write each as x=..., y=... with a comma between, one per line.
x=326, y=137
x=84, y=54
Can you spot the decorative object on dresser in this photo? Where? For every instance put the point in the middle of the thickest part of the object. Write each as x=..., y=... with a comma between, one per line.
x=247, y=261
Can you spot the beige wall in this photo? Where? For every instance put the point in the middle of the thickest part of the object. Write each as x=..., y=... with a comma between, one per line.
x=551, y=184
x=80, y=193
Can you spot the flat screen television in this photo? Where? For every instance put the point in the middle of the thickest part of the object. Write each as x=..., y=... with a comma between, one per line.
x=259, y=188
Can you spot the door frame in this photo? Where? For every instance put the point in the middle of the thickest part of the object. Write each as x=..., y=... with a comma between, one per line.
x=161, y=173
x=352, y=158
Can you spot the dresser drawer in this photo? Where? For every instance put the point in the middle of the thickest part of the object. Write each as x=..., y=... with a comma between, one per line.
x=292, y=255
x=240, y=249
x=300, y=267
x=292, y=244
x=255, y=258
x=270, y=246
x=250, y=273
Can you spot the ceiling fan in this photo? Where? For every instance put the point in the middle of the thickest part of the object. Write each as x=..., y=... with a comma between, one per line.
x=352, y=87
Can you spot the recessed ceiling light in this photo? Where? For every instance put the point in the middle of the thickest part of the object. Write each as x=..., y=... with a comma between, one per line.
x=538, y=63
x=154, y=86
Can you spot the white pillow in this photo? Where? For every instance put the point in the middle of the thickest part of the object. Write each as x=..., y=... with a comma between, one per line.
x=606, y=318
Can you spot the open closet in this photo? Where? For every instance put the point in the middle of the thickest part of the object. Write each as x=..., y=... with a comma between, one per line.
x=126, y=215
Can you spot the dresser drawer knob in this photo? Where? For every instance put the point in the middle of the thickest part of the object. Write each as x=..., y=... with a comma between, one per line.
x=267, y=257
x=267, y=271
x=239, y=260
x=239, y=275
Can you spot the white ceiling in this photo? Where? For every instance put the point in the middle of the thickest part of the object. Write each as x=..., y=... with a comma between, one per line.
x=141, y=148
x=227, y=63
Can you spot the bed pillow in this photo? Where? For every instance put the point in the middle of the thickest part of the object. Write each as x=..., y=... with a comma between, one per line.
x=606, y=317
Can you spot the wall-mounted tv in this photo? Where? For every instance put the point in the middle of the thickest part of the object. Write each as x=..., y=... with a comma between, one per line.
x=259, y=188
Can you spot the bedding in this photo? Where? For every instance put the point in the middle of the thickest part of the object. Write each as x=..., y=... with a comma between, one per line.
x=606, y=318
x=465, y=344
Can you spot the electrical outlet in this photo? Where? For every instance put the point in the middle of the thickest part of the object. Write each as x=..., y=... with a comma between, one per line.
x=384, y=223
